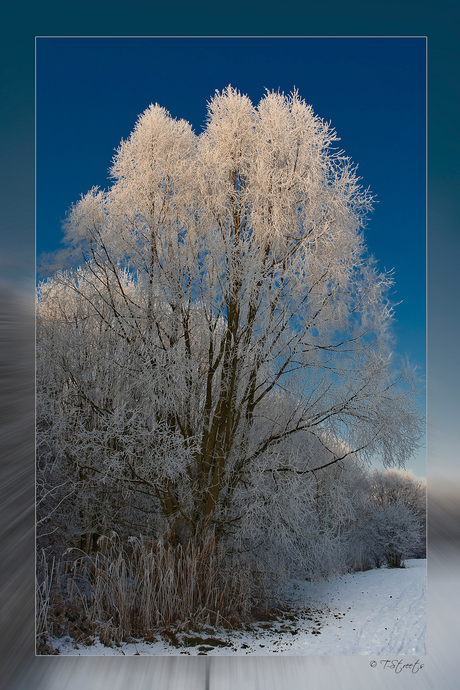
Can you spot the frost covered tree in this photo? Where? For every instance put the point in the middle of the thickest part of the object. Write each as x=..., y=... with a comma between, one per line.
x=396, y=486
x=391, y=522
x=396, y=532
x=218, y=333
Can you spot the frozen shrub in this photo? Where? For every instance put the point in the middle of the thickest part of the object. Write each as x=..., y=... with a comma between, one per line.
x=398, y=486
x=396, y=532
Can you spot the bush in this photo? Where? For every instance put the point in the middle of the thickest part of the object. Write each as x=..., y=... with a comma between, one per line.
x=401, y=487
x=396, y=530
x=140, y=587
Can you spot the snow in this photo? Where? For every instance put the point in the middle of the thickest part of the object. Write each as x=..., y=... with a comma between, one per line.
x=377, y=612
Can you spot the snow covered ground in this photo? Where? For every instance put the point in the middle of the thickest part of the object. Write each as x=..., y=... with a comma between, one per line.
x=376, y=612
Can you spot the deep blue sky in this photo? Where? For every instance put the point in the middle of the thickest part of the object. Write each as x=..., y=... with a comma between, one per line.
x=89, y=92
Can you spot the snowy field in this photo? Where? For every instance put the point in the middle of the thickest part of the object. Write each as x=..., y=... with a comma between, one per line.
x=375, y=612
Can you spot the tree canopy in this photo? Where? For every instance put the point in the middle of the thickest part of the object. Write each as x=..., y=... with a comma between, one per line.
x=218, y=330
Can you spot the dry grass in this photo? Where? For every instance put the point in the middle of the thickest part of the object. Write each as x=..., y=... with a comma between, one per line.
x=139, y=589
x=44, y=594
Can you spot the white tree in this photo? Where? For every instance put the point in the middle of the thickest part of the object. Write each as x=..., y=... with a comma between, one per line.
x=225, y=310
x=398, y=486
x=396, y=532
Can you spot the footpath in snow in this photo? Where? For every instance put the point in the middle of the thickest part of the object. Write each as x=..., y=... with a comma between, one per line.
x=375, y=612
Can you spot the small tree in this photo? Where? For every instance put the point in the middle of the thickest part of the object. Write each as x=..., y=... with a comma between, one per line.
x=396, y=531
x=397, y=486
x=225, y=310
